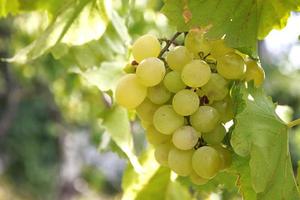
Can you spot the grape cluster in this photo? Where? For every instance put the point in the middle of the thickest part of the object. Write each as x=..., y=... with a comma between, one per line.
x=182, y=99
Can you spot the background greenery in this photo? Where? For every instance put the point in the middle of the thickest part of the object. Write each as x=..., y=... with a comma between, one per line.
x=61, y=135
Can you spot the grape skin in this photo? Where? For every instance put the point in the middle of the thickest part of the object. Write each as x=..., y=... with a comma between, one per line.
x=129, y=92
x=159, y=94
x=216, y=88
x=155, y=137
x=196, y=179
x=178, y=57
x=150, y=71
x=206, y=162
x=166, y=120
x=215, y=136
x=205, y=119
x=185, y=102
x=145, y=47
x=146, y=110
x=180, y=161
x=231, y=66
x=196, y=43
x=161, y=153
x=254, y=72
x=173, y=82
x=185, y=138
x=196, y=73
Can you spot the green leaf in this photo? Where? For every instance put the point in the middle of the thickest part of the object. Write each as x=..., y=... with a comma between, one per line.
x=8, y=6
x=77, y=23
x=241, y=21
x=116, y=123
x=106, y=76
x=260, y=134
x=176, y=191
x=156, y=187
x=240, y=167
x=133, y=182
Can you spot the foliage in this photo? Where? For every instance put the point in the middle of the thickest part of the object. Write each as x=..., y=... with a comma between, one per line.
x=80, y=55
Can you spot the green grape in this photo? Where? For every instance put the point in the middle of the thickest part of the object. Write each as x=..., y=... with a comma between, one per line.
x=129, y=92
x=146, y=124
x=185, y=137
x=173, y=82
x=145, y=47
x=254, y=72
x=216, y=136
x=216, y=88
x=196, y=43
x=231, y=66
x=161, y=153
x=178, y=57
x=225, y=156
x=185, y=102
x=219, y=48
x=225, y=109
x=196, y=73
x=196, y=179
x=166, y=120
x=159, y=94
x=155, y=137
x=180, y=161
x=151, y=71
x=205, y=119
x=146, y=110
x=206, y=162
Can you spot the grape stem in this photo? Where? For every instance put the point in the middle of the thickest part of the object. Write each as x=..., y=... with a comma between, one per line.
x=293, y=123
x=169, y=42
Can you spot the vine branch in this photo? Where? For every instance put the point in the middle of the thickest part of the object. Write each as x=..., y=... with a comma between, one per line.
x=293, y=123
x=169, y=42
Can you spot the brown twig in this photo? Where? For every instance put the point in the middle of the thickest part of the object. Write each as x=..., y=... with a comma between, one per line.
x=168, y=44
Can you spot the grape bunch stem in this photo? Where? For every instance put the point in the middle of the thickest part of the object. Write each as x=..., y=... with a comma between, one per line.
x=293, y=123
x=168, y=44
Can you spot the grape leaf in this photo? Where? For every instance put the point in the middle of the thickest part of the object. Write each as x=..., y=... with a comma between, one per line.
x=156, y=187
x=116, y=123
x=242, y=21
x=78, y=23
x=260, y=134
x=133, y=182
x=6, y=7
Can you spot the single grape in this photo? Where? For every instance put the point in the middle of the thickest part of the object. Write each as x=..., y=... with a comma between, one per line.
x=225, y=156
x=180, y=161
x=129, y=92
x=161, y=153
x=216, y=88
x=151, y=71
x=205, y=119
x=196, y=73
x=159, y=94
x=196, y=43
x=225, y=109
x=166, y=120
x=219, y=48
x=145, y=47
x=206, y=162
x=155, y=137
x=185, y=102
x=216, y=136
x=231, y=66
x=196, y=179
x=178, y=57
x=173, y=82
x=146, y=110
x=254, y=72
x=185, y=137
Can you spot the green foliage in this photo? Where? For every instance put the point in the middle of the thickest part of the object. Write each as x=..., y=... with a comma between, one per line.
x=267, y=145
x=241, y=21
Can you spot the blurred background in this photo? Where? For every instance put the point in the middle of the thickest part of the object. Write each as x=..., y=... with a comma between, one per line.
x=52, y=144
